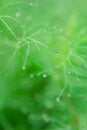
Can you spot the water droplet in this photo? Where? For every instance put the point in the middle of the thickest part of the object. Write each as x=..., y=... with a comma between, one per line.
x=69, y=95
x=60, y=29
x=69, y=72
x=78, y=79
x=54, y=28
x=31, y=4
x=21, y=26
x=58, y=99
x=19, y=42
x=31, y=75
x=45, y=117
x=44, y=75
x=24, y=68
x=17, y=14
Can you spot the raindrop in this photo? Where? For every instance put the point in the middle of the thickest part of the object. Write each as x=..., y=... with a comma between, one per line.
x=45, y=117
x=54, y=28
x=60, y=29
x=44, y=75
x=19, y=42
x=31, y=4
x=69, y=72
x=78, y=79
x=24, y=68
x=31, y=75
x=17, y=14
x=21, y=26
x=58, y=99
x=69, y=95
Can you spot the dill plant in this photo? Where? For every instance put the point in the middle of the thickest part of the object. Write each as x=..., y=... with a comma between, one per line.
x=43, y=66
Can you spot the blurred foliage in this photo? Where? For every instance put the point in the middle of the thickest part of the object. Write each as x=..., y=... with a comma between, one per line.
x=43, y=65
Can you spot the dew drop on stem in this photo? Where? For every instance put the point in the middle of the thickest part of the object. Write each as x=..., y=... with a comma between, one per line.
x=54, y=28
x=60, y=29
x=31, y=76
x=17, y=14
x=78, y=79
x=24, y=68
x=58, y=99
x=69, y=72
x=68, y=95
x=31, y=4
x=44, y=75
